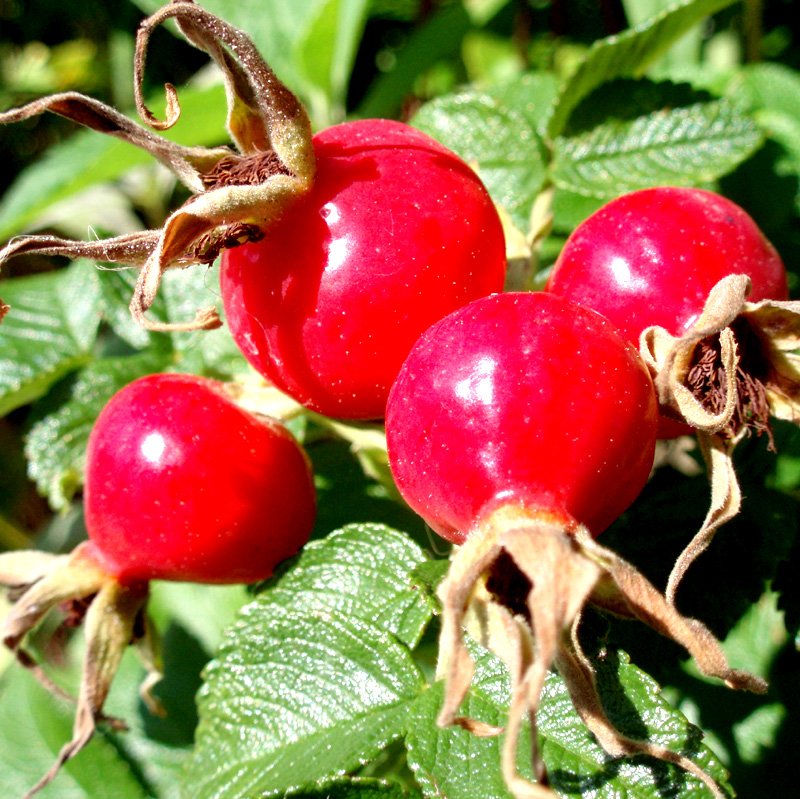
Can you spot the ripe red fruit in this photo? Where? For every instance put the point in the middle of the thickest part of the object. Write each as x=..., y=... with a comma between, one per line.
x=182, y=484
x=524, y=399
x=396, y=232
x=688, y=276
x=520, y=426
x=651, y=257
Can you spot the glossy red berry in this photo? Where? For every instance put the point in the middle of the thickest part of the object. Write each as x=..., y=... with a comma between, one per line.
x=396, y=232
x=651, y=257
x=522, y=399
x=182, y=484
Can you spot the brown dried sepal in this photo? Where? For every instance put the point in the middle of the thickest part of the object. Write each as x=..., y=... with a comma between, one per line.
x=565, y=570
x=236, y=195
x=113, y=617
x=725, y=377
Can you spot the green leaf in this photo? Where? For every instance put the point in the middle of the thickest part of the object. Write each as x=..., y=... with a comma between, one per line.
x=355, y=788
x=315, y=669
x=116, y=290
x=33, y=728
x=346, y=494
x=56, y=444
x=316, y=695
x=440, y=37
x=680, y=147
x=205, y=611
x=363, y=571
x=500, y=141
x=576, y=764
x=182, y=292
x=453, y=762
x=208, y=352
x=772, y=91
x=326, y=52
x=89, y=158
x=772, y=87
x=48, y=332
x=530, y=94
x=629, y=53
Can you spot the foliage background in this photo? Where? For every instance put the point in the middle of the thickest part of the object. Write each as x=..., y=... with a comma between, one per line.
x=500, y=82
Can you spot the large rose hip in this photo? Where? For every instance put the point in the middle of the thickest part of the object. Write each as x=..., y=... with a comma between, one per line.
x=526, y=399
x=519, y=426
x=395, y=233
x=182, y=484
x=651, y=257
x=688, y=276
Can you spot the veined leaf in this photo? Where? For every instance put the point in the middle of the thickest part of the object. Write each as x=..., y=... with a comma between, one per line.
x=355, y=788
x=364, y=571
x=182, y=293
x=498, y=140
x=680, y=147
x=629, y=53
x=313, y=679
x=48, y=332
x=576, y=764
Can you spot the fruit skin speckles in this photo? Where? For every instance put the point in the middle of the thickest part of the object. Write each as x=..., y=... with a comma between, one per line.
x=456, y=443
x=651, y=257
x=182, y=484
x=329, y=303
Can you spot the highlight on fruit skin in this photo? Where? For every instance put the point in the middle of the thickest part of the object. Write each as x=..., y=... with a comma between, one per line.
x=520, y=427
x=181, y=484
x=328, y=304
x=688, y=277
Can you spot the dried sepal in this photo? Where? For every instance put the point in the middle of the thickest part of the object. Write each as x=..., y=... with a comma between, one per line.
x=564, y=571
x=187, y=163
x=22, y=568
x=732, y=370
x=130, y=249
x=726, y=501
x=670, y=358
x=777, y=327
x=236, y=195
x=113, y=617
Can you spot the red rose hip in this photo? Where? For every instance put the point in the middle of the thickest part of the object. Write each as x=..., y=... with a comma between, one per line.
x=651, y=257
x=396, y=232
x=182, y=484
x=519, y=427
x=522, y=398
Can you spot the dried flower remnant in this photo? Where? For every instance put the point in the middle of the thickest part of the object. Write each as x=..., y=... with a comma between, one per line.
x=726, y=376
x=236, y=193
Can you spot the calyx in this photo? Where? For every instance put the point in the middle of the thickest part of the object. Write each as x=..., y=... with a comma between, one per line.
x=750, y=386
x=565, y=570
x=113, y=615
x=236, y=193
